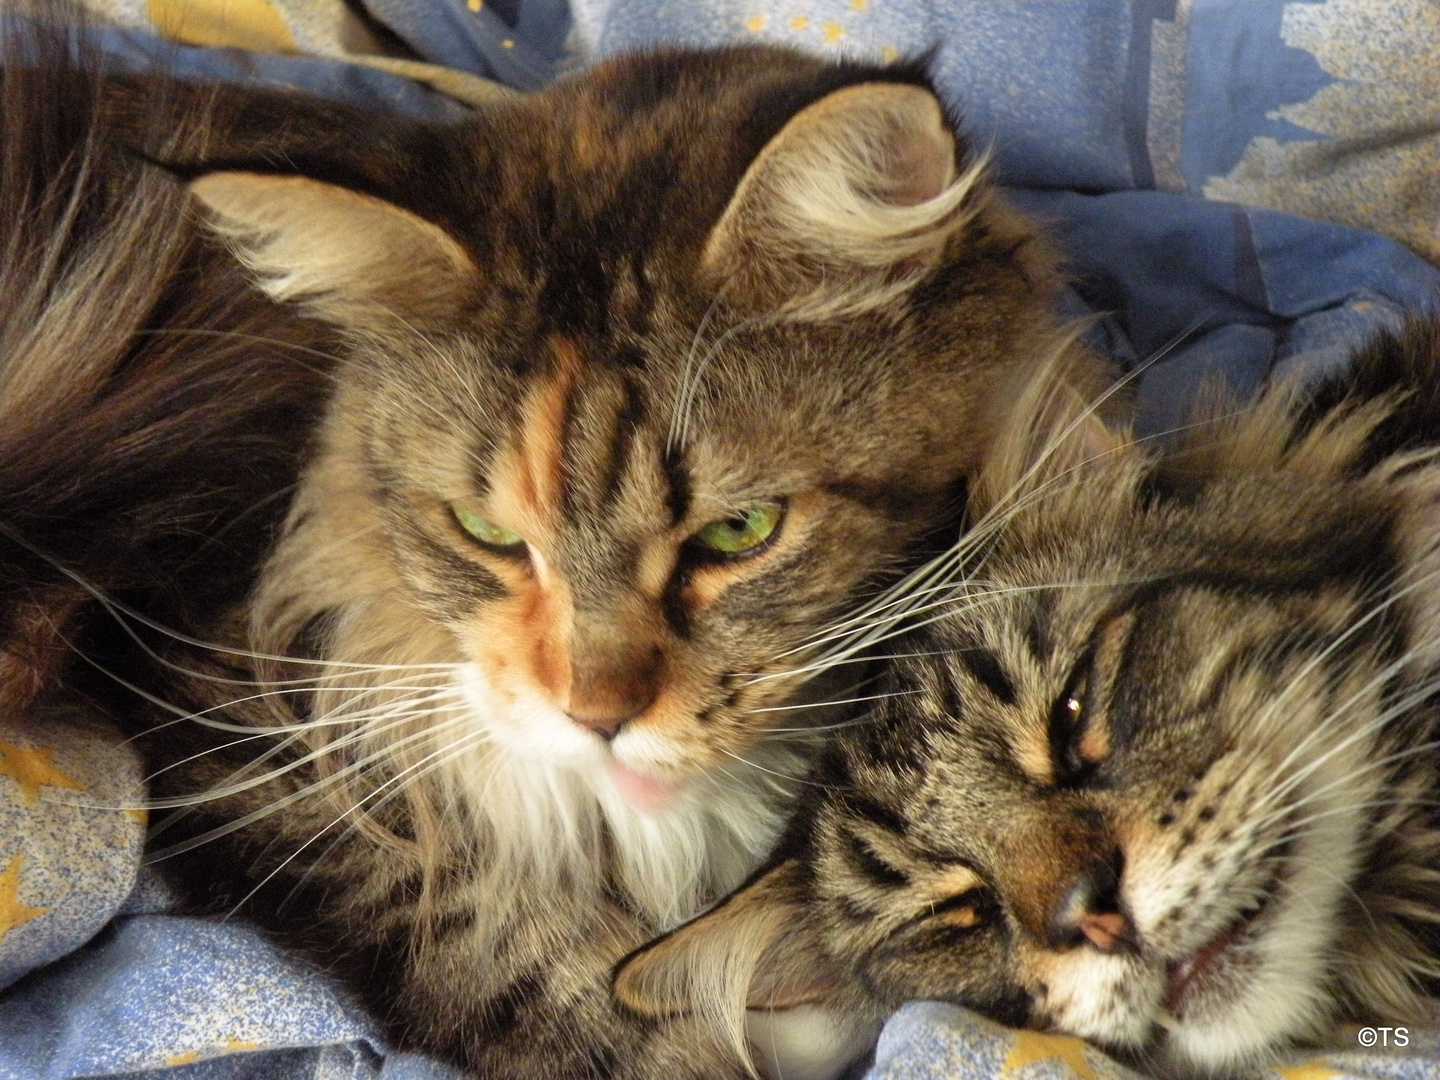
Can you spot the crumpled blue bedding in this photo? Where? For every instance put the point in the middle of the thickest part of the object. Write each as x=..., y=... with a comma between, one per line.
x=1244, y=189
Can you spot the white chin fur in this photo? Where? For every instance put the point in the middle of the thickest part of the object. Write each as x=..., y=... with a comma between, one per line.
x=540, y=793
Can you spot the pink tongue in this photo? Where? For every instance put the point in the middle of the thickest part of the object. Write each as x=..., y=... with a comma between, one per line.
x=642, y=792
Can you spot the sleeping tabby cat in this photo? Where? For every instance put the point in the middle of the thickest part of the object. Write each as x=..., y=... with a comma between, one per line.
x=650, y=379
x=1164, y=776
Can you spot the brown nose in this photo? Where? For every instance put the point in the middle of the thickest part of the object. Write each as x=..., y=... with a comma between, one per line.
x=608, y=691
x=1090, y=909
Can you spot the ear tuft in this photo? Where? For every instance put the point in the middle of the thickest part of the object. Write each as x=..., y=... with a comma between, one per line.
x=751, y=951
x=348, y=258
x=1053, y=427
x=847, y=209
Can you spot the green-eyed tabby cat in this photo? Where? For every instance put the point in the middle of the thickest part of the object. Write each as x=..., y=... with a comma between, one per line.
x=1164, y=776
x=651, y=379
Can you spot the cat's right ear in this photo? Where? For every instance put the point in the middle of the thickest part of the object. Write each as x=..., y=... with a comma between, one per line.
x=847, y=209
x=350, y=259
x=1054, y=427
x=750, y=951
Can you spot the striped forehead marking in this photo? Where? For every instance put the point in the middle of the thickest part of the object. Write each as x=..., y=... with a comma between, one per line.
x=540, y=458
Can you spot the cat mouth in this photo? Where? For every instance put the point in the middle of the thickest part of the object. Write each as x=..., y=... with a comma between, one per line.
x=1218, y=969
x=647, y=794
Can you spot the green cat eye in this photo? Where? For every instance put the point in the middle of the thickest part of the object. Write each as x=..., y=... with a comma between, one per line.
x=486, y=531
x=741, y=532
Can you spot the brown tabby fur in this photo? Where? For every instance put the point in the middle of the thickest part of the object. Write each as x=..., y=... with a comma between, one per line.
x=1164, y=776
x=604, y=318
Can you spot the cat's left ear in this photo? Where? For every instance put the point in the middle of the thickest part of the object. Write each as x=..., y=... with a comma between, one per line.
x=752, y=947
x=848, y=208
x=350, y=259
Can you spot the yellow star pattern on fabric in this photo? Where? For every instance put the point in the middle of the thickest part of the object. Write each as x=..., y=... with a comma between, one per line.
x=29, y=766
x=242, y=24
x=230, y=1046
x=1033, y=1046
x=1308, y=1070
x=833, y=33
x=13, y=911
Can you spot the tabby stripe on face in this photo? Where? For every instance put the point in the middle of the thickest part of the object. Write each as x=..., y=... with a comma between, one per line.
x=467, y=583
x=985, y=667
x=870, y=865
x=877, y=814
x=1035, y=630
x=677, y=477
x=627, y=423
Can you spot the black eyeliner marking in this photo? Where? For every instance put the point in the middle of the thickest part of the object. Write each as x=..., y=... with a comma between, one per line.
x=972, y=898
x=672, y=603
x=677, y=476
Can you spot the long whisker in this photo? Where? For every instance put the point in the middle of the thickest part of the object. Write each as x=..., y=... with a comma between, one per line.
x=398, y=785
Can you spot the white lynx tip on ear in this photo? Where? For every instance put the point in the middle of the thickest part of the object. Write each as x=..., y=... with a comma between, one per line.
x=348, y=258
x=848, y=207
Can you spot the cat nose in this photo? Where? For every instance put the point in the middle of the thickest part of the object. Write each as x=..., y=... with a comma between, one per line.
x=607, y=727
x=1089, y=909
x=607, y=692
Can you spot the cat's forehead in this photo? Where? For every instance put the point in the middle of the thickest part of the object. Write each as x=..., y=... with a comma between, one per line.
x=752, y=420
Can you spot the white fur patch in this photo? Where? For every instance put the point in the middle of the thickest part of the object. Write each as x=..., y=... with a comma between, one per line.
x=539, y=791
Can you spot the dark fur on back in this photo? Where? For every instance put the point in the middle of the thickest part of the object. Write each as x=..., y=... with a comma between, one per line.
x=1406, y=365
x=152, y=404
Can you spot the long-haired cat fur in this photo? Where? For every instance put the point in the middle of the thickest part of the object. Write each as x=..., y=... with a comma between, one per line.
x=1164, y=775
x=652, y=382
x=153, y=406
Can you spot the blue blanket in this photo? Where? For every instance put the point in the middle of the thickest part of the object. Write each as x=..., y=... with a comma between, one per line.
x=1244, y=189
